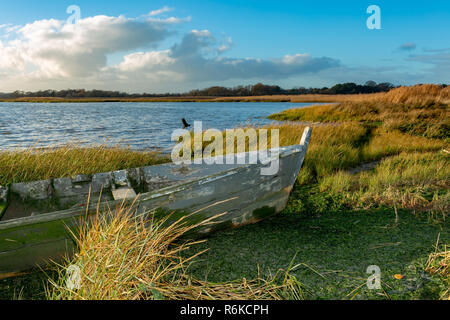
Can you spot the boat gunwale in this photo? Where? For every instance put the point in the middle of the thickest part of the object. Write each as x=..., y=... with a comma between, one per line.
x=75, y=213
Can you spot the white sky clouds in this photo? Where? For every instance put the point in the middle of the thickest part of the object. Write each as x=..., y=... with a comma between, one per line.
x=54, y=54
x=160, y=11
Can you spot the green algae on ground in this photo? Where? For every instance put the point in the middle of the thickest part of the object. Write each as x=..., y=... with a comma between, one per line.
x=332, y=253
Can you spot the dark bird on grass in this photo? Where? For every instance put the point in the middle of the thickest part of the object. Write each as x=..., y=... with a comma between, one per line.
x=185, y=124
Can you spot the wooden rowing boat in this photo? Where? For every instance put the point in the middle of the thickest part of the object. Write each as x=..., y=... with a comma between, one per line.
x=35, y=227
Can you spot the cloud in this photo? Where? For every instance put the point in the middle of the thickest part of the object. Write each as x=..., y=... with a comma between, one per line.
x=134, y=54
x=408, y=46
x=195, y=60
x=152, y=16
x=160, y=11
x=55, y=54
x=433, y=66
x=226, y=45
x=8, y=29
x=437, y=50
x=11, y=60
x=55, y=49
x=438, y=64
x=5, y=27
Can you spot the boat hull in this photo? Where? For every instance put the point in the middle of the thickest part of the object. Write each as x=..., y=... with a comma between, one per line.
x=238, y=193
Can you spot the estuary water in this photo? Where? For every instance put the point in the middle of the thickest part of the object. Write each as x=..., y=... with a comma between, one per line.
x=139, y=126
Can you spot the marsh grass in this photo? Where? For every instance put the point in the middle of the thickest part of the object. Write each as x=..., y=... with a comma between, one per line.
x=420, y=110
x=409, y=124
x=40, y=164
x=416, y=181
x=273, y=98
x=336, y=147
x=388, y=142
x=332, y=147
x=418, y=96
x=126, y=257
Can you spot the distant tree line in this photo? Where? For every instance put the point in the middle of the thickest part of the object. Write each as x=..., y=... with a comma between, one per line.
x=258, y=89
x=263, y=90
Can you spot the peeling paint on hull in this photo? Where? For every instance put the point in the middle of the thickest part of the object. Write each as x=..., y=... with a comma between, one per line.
x=239, y=192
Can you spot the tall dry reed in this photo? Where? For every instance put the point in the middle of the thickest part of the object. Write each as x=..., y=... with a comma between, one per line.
x=421, y=110
x=124, y=257
x=439, y=263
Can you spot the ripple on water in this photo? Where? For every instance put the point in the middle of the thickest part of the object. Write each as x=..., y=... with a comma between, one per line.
x=143, y=125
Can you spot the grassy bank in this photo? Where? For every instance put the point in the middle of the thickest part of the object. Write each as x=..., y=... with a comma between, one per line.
x=411, y=166
x=345, y=145
x=415, y=181
x=37, y=164
x=419, y=110
x=273, y=98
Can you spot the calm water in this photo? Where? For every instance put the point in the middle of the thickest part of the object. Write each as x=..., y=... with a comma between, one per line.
x=138, y=125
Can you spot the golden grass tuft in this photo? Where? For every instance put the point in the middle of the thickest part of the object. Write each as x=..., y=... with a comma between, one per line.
x=419, y=95
x=439, y=263
x=124, y=257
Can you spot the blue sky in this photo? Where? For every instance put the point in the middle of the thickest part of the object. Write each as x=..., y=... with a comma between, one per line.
x=411, y=47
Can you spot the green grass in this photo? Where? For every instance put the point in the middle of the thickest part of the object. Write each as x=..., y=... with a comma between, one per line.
x=37, y=164
x=416, y=181
x=345, y=145
x=3, y=207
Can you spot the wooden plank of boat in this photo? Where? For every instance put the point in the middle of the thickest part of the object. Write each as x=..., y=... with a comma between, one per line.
x=238, y=190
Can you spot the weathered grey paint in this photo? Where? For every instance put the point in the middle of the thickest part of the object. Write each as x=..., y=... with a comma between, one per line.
x=3, y=194
x=239, y=192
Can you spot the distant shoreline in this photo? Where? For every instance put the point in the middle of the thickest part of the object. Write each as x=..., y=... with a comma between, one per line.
x=307, y=98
